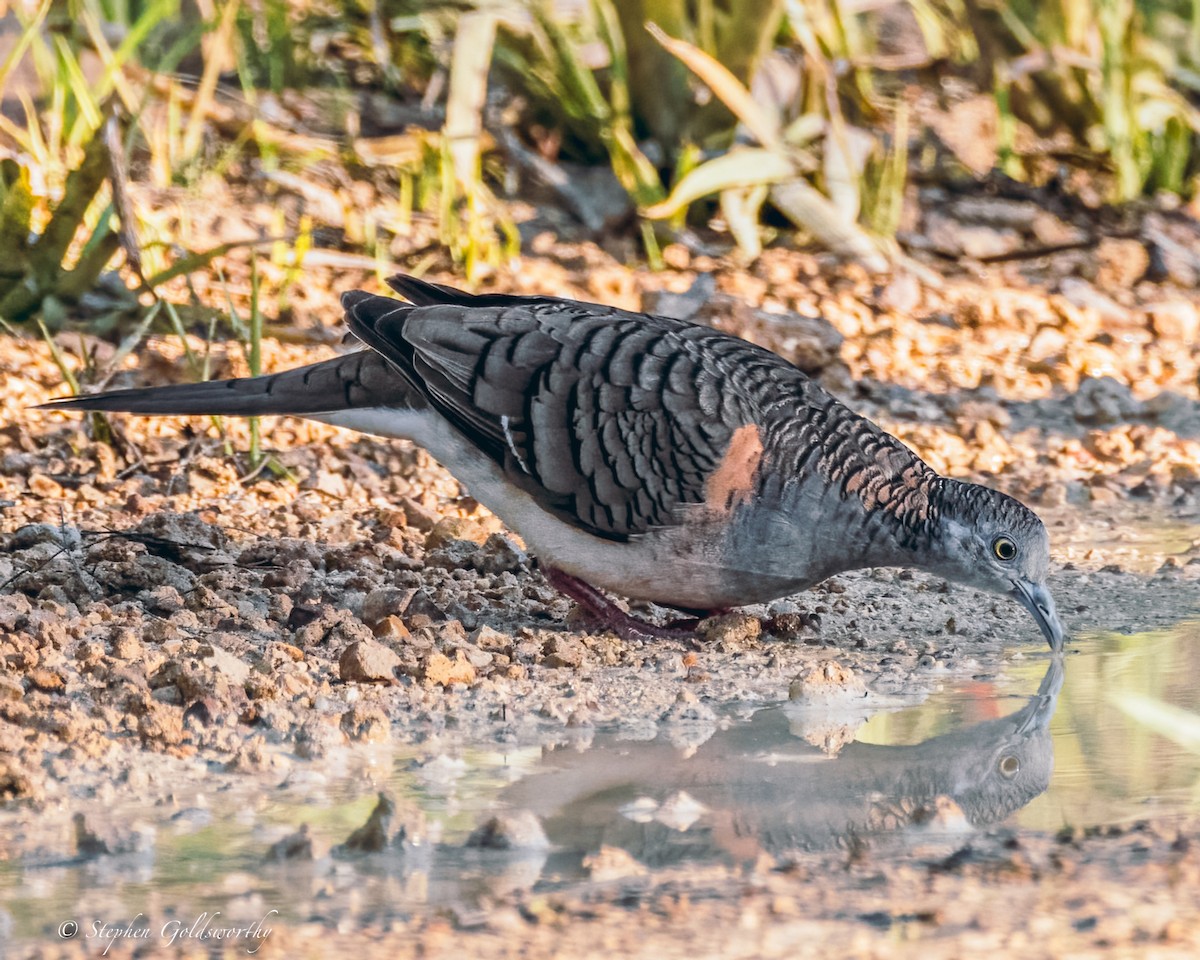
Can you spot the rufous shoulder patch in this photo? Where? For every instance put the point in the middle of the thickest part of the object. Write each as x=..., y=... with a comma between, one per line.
x=732, y=482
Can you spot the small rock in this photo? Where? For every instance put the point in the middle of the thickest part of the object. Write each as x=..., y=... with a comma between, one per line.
x=295, y=654
x=366, y=724
x=392, y=628
x=734, y=631
x=453, y=555
x=977, y=241
x=996, y=212
x=418, y=516
x=1082, y=294
x=423, y=605
x=16, y=782
x=676, y=256
x=810, y=342
x=499, y=555
x=612, y=863
x=328, y=626
x=295, y=846
x=455, y=528
x=126, y=644
x=1175, y=320
x=487, y=638
x=33, y=534
x=564, y=651
x=1122, y=262
x=517, y=830
x=451, y=633
x=375, y=834
x=202, y=713
x=1104, y=400
x=163, y=598
x=367, y=661
x=902, y=295
x=1046, y=343
x=826, y=681
x=225, y=662
x=681, y=306
x=385, y=602
x=793, y=624
x=333, y=485
x=1050, y=231
x=191, y=539
x=317, y=738
x=48, y=681
x=441, y=670
x=41, y=485
x=478, y=658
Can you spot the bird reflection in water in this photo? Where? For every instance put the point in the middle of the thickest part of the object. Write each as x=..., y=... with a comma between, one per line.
x=757, y=787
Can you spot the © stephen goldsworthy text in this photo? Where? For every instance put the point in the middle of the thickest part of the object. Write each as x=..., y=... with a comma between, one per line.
x=205, y=927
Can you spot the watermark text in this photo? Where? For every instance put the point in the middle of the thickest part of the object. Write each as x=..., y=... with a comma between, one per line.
x=207, y=927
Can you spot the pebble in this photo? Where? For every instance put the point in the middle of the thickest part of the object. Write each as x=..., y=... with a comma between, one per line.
x=1103, y=400
x=732, y=631
x=393, y=629
x=295, y=846
x=367, y=661
x=441, y=670
x=564, y=651
x=385, y=602
x=450, y=529
x=377, y=833
x=41, y=485
x=612, y=863
x=1175, y=320
x=829, y=680
x=511, y=830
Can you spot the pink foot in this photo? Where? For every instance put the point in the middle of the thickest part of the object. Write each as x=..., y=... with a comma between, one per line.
x=624, y=625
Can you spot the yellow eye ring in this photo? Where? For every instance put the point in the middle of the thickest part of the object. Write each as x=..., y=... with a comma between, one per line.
x=1004, y=549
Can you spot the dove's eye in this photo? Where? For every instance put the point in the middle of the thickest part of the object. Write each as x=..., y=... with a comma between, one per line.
x=1010, y=766
x=1004, y=549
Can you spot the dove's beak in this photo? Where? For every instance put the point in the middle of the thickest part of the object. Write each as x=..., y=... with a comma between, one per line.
x=1035, y=598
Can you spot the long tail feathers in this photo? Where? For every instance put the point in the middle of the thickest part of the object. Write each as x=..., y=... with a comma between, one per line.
x=357, y=380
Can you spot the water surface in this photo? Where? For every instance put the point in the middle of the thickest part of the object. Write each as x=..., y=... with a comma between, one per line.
x=1040, y=746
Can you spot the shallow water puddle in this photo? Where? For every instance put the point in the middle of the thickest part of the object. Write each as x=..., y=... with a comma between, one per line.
x=1136, y=540
x=1041, y=747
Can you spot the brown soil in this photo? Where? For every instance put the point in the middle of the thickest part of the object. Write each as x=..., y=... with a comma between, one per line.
x=161, y=614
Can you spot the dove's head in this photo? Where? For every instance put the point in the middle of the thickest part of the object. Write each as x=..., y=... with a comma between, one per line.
x=988, y=540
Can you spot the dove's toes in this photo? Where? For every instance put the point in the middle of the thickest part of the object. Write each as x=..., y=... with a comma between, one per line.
x=609, y=616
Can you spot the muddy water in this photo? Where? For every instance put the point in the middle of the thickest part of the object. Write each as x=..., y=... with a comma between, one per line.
x=1042, y=745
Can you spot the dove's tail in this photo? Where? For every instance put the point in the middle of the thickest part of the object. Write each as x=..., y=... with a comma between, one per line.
x=362, y=379
x=359, y=380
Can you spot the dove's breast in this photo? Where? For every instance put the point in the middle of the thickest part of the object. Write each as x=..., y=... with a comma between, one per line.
x=727, y=552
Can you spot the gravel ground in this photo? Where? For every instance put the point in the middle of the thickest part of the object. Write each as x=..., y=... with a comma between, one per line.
x=164, y=619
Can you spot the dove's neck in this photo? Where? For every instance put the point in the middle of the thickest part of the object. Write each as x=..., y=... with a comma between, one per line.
x=900, y=532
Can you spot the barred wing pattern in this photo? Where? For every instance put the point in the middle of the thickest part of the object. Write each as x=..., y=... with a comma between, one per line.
x=610, y=419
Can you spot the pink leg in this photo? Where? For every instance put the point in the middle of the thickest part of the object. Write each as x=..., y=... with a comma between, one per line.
x=624, y=625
